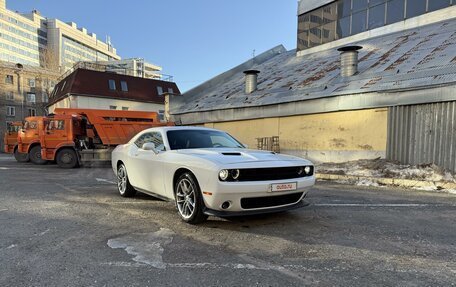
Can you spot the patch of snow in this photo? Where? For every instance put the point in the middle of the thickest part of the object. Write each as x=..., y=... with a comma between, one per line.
x=366, y=182
x=146, y=247
x=381, y=168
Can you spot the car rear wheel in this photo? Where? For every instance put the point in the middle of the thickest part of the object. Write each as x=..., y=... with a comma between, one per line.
x=67, y=158
x=123, y=183
x=35, y=155
x=189, y=200
x=21, y=157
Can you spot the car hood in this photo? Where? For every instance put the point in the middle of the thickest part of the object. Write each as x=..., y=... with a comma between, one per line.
x=238, y=155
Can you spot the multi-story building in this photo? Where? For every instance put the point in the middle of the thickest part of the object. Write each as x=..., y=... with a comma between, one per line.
x=31, y=39
x=24, y=91
x=135, y=67
x=369, y=79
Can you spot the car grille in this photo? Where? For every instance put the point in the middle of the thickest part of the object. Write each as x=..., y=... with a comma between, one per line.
x=276, y=173
x=270, y=201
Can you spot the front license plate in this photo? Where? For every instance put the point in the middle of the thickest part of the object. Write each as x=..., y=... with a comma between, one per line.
x=283, y=186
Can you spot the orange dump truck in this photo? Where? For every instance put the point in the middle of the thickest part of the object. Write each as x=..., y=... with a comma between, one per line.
x=28, y=140
x=73, y=136
x=10, y=137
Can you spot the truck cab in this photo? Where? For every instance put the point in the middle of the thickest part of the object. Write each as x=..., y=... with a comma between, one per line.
x=28, y=139
x=10, y=136
x=61, y=139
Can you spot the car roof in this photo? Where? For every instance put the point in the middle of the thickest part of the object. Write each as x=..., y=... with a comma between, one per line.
x=179, y=128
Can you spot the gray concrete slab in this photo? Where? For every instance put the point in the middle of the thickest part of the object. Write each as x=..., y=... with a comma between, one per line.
x=71, y=228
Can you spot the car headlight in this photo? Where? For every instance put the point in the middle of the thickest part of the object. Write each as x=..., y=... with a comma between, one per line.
x=235, y=174
x=307, y=169
x=223, y=174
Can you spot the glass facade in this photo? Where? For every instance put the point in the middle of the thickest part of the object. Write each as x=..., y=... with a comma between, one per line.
x=73, y=52
x=344, y=18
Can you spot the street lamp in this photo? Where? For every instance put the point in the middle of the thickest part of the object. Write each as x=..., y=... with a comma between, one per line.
x=19, y=68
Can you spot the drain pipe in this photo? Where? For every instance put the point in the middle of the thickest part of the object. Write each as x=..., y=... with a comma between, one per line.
x=349, y=60
x=251, y=81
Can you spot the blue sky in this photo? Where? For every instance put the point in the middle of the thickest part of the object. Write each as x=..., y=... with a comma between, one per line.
x=192, y=40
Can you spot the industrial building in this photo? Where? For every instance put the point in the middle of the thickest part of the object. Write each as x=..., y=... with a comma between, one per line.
x=368, y=79
x=92, y=89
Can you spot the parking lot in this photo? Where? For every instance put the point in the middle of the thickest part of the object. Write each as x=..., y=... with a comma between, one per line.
x=71, y=228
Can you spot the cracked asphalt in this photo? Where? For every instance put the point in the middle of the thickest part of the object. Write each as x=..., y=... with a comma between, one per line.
x=71, y=228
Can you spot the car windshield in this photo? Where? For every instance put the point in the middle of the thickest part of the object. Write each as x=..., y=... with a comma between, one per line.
x=186, y=139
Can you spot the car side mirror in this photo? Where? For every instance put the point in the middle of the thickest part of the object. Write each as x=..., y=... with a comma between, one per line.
x=149, y=146
x=246, y=146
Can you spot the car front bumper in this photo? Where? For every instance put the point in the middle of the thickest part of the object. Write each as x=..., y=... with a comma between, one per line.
x=235, y=192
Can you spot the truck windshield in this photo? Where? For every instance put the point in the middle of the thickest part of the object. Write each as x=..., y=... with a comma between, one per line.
x=13, y=128
x=186, y=139
x=30, y=125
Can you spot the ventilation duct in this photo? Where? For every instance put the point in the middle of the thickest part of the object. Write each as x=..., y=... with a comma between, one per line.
x=251, y=81
x=349, y=60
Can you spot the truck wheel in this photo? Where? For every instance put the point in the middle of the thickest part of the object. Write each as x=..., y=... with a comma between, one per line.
x=21, y=157
x=67, y=158
x=35, y=155
x=123, y=184
x=189, y=201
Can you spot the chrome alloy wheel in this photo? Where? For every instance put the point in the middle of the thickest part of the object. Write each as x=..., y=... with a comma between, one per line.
x=122, y=179
x=185, y=198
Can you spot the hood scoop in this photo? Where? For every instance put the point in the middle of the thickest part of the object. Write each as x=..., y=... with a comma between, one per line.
x=232, y=153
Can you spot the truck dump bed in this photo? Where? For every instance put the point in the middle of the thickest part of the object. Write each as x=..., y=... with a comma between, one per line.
x=115, y=127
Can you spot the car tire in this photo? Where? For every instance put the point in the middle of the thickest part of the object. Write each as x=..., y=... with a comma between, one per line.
x=67, y=158
x=35, y=155
x=21, y=157
x=189, y=201
x=123, y=183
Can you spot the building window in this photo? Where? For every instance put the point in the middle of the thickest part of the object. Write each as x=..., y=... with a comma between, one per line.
x=9, y=96
x=350, y=17
x=31, y=83
x=395, y=11
x=438, y=4
x=170, y=91
x=31, y=98
x=44, y=97
x=124, y=86
x=415, y=8
x=31, y=112
x=161, y=115
x=9, y=79
x=124, y=108
x=113, y=107
x=112, y=85
x=10, y=111
x=159, y=90
x=377, y=16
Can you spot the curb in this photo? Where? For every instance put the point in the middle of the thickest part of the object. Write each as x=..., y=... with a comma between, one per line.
x=410, y=183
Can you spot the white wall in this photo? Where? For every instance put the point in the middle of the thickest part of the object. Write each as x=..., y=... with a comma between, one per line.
x=79, y=102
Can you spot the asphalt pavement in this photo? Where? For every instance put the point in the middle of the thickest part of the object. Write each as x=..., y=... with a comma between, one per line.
x=71, y=228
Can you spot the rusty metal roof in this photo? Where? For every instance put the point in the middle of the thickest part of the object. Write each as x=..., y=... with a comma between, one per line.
x=412, y=59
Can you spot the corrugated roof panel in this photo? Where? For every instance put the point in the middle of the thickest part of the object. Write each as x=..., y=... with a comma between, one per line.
x=420, y=57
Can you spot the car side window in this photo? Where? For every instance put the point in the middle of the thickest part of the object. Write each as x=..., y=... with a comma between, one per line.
x=152, y=137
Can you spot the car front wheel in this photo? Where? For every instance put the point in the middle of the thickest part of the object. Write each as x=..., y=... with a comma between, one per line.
x=189, y=200
x=123, y=184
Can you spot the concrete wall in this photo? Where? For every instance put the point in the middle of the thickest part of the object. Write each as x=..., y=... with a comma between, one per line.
x=326, y=137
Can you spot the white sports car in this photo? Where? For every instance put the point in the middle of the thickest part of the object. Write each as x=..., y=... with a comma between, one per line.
x=208, y=172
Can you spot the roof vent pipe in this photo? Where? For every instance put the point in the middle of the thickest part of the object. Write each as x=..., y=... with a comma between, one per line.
x=349, y=60
x=251, y=81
